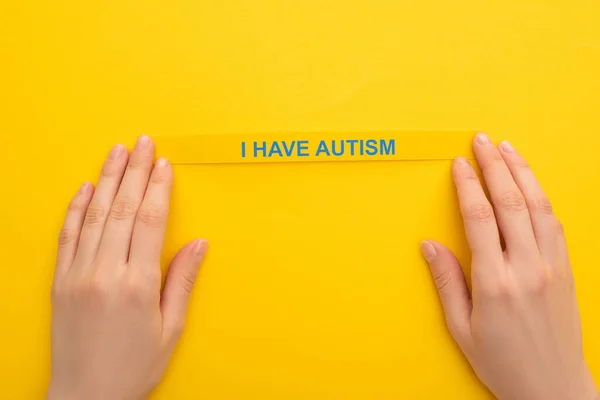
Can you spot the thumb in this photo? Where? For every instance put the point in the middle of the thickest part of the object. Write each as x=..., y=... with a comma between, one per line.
x=452, y=288
x=178, y=287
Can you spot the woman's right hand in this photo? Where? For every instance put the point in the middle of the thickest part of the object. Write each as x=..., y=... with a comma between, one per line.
x=520, y=328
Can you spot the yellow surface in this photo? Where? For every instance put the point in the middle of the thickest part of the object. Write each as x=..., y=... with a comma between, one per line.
x=314, y=288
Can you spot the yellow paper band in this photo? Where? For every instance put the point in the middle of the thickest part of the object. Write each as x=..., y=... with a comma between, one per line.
x=314, y=147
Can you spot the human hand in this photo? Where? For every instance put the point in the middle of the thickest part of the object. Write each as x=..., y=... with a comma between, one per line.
x=520, y=328
x=112, y=331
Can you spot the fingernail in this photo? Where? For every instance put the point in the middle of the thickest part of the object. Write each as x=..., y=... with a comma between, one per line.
x=461, y=161
x=428, y=251
x=200, y=247
x=142, y=142
x=507, y=147
x=162, y=162
x=84, y=187
x=115, y=152
x=482, y=138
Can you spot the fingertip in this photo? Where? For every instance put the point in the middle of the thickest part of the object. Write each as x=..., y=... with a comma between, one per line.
x=83, y=196
x=116, y=161
x=85, y=188
x=462, y=168
x=162, y=163
x=429, y=251
x=116, y=152
x=162, y=172
x=506, y=148
x=461, y=162
x=482, y=139
x=81, y=199
x=200, y=247
x=143, y=142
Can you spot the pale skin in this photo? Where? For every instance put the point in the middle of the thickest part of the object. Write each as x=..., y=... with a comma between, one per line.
x=114, y=329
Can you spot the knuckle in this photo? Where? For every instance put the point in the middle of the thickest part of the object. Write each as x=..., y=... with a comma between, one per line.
x=480, y=213
x=122, y=209
x=67, y=236
x=471, y=176
x=187, y=280
x=562, y=274
x=152, y=215
x=94, y=215
x=496, y=157
x=512, y=202
x=540, y=281
x=98, y=289
x=442, y=280
x=543, y=205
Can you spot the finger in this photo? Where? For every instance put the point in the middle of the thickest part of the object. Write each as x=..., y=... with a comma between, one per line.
x=478, y=216
x=178, y=288
x=106, y=189
x=116, y=239
x=151, y=221
x=543, y=221
x=509, y=204
x=452, y=288
x=71, y=229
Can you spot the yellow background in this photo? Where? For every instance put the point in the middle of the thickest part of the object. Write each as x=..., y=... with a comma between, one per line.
x=314, y=288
